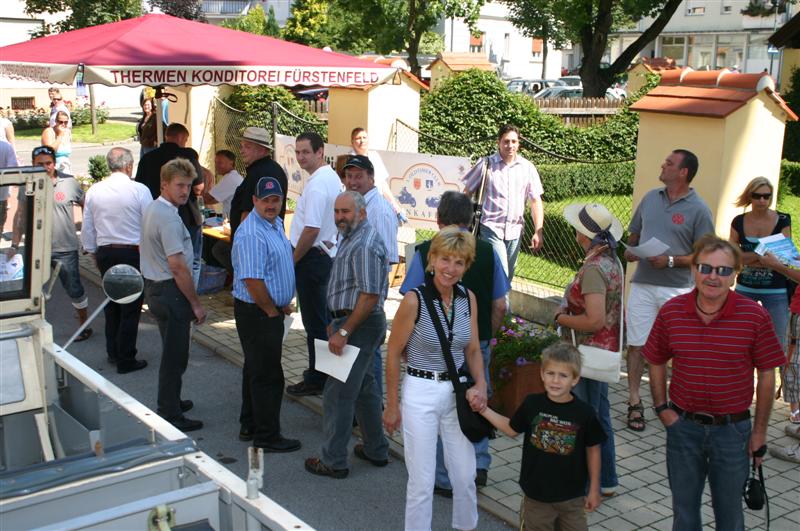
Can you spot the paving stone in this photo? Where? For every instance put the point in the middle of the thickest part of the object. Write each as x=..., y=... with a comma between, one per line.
x=508, y=486
x=619, y=524
x=503, y=473
x=647, y=495
x=512, y=502
x=641, y=517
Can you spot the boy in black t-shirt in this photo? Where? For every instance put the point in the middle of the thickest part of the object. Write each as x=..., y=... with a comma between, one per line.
x=561, y=449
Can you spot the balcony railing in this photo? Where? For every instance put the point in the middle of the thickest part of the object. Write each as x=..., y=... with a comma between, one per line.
x=224, y=7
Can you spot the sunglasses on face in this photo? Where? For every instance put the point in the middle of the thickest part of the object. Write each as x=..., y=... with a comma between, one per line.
x=767, y=195
x=43, y=150
x=721, y=271
x=65, y=122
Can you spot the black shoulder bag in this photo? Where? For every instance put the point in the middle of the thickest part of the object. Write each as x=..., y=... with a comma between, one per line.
x=473, y=425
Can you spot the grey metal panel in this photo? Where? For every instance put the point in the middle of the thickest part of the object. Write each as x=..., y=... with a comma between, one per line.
x=190, y=504
x=73, y=437
x=12, y=388
x=19, y=441
x=117, y=424
x=95, y=494
x=81, y=402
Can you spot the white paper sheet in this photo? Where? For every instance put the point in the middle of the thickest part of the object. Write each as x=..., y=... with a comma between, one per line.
x=287, y=325
x=337, y=366
x=652, y=247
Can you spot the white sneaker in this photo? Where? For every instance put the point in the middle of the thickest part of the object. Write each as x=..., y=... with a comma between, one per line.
x=789, y=453
x=792, y=430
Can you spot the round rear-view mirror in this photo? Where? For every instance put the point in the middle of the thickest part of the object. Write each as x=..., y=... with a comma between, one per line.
x=123, y=284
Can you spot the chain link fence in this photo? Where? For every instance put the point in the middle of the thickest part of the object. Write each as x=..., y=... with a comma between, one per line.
x=542, y=273
x=554, y=265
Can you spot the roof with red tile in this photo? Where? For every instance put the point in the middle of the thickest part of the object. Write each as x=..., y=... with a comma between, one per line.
x=711, y=93
x=461, y=61
x=657, y=64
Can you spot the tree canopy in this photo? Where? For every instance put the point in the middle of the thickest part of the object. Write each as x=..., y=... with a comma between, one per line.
x=83, y=13
x=589, y=23
x=188, y=9
x=256, y=22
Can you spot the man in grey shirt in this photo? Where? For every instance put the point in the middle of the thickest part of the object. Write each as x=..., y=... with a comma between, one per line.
x=356, y=292
x=679, y=217
x=166, y=260
x=67, y=192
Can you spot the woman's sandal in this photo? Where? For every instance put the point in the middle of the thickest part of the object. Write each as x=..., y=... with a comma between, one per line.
x=794, y=416
x=83, y=336
x=636, y=423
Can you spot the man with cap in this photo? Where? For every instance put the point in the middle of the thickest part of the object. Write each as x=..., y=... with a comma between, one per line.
x=263, y=287
x=255, y=148
x=359, y=176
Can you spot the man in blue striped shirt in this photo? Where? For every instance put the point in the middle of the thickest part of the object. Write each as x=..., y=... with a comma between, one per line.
x=356, y=292
x=359, y=176
x=263, y=287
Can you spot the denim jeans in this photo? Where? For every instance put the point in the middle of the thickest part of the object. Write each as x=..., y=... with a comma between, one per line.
x=595, y=394
x=196, y=233
x=507, y=250
x=377, y=367
x=311, y=274
x=483, y=459
x=70, y=276
x=358, y=395
x=695, y=452
x=777, y=306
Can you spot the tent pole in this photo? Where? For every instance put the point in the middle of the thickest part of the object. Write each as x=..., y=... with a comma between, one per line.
x=159, y=115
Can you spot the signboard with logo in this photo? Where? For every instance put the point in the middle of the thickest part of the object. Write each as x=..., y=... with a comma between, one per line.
x=416, y=180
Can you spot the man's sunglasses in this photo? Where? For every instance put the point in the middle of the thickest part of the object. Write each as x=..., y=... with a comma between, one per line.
x=44, y=150
x=65, y=122
x=721, y=271
x=754, y=195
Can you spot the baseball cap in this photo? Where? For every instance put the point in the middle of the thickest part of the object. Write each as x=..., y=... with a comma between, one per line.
x=268, y=186
x=359, y=161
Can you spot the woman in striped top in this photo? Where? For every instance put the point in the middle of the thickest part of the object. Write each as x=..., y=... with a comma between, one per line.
x=428, y=406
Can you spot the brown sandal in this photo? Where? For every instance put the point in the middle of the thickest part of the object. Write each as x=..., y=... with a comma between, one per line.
x=636, y=423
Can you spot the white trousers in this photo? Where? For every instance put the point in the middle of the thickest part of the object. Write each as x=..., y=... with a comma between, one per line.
x=428, y=410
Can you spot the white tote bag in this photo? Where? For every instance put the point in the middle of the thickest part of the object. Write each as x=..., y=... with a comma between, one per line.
x=601, y=364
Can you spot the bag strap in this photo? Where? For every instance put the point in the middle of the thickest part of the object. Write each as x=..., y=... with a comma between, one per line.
x=444, y=341
x=621, y=310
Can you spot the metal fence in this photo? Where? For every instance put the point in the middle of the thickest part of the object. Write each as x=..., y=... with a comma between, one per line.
x=551, y=268
x=542, y=273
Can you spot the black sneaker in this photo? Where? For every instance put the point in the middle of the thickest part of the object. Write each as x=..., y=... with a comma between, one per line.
x=245, y=434
x=186, y=424
x=303, y=389
x=481, y=476
x=186, y=405
x=443, y=492
x=318, y=468
x=279, y=445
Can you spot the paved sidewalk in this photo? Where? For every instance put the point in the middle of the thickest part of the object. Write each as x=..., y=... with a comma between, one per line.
x=643, y=498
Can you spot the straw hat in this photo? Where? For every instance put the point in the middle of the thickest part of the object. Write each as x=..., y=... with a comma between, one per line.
x=591, y=218
x=257, y=135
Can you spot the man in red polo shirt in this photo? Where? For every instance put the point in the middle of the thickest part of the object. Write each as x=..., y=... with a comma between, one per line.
x=715, y=338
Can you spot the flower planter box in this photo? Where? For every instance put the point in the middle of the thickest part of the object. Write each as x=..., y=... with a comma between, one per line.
x=521, y=381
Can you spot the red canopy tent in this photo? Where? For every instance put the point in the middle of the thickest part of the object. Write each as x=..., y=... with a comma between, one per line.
x=164, y=50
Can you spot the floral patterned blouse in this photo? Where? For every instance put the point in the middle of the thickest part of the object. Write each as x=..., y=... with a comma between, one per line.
x=599, y=271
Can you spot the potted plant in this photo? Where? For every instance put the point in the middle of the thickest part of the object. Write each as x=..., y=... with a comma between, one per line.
x=516, y=362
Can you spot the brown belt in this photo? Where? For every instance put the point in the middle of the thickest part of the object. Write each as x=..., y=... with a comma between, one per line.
x=336, y=314
x=709, y=419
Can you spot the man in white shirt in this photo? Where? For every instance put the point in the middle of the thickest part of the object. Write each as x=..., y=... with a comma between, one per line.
x=8, y=159
x=112, y=229
x=222, y=192
x=359, y=176
x=313, y=236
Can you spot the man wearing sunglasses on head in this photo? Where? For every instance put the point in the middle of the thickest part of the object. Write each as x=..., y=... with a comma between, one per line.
x=715, y=338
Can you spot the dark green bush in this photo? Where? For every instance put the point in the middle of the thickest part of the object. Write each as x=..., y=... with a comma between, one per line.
x=39, y=118
x=791, y=141
x=98, y=167
x=466, y=111
x=790, y=178
x=562, y=181
x=256, y=103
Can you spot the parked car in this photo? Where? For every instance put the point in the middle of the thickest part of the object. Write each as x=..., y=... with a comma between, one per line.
x=572, y=81
x=569, y=92
x=531, y=86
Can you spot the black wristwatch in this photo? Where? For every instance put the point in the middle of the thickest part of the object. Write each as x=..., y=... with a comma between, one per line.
x=662, y=407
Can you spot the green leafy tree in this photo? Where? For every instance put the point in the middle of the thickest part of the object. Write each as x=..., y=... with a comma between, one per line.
x=791, y=140
x=589, y=23
x=255, y=22
x=538, y=22
x=431, y=44
x=188, y=9
x=396, y=25
x=83, y=13
x=307, y=23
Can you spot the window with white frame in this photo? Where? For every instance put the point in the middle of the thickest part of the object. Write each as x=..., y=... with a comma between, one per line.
x=672, y=47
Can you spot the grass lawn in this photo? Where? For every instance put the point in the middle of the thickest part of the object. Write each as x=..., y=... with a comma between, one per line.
x=107, y=132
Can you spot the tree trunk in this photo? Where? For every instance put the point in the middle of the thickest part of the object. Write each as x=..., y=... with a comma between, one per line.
x=544, y=59
x=416, y=37
x=92, y=110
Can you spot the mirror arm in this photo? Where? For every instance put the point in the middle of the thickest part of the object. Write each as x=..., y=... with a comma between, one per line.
x=88, y=321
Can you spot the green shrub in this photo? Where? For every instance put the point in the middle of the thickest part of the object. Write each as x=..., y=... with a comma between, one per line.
x=82, y=114
x=256, y=103
x=98, y=167
x=562, y=181
x=790, y=178
x=40, y=118
x=466, y=111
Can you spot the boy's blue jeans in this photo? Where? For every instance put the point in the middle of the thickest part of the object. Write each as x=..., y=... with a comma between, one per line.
x=595, y=394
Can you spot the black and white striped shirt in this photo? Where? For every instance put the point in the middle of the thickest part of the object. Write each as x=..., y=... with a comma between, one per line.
x=424, y=350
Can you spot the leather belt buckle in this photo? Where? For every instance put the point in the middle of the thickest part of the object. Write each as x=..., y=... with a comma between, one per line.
x=706, y=419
